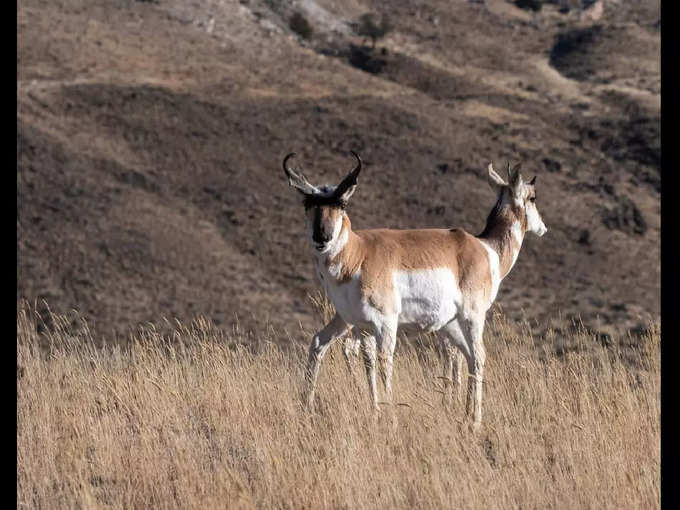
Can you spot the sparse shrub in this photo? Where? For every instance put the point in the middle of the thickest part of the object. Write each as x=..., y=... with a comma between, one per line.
x=625, y=216
x=530, y=5
x=569, y=53
x=364, y=59
x=299, y=24
x=368, y=26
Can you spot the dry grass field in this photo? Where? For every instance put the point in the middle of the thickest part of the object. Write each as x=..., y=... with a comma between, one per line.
x=150, y=136
x=200, y=418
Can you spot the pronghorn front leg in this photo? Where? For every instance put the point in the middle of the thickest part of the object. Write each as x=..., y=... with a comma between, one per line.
x=369, y=351
x=335, y=329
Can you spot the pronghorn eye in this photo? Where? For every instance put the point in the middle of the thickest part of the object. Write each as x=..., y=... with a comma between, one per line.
x=532, y=199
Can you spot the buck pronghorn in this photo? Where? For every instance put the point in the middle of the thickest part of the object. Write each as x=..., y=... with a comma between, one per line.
x=438, y=279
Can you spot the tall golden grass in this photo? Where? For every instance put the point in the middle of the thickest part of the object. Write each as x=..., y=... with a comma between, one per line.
x=200, y=419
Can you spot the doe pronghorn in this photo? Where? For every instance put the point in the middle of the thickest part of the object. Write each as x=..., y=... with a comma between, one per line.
x=438, y=279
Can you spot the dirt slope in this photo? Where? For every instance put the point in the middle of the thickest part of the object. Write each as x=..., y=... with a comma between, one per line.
x=150, y=136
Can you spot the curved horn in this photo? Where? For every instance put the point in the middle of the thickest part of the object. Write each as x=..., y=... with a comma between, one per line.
x=298, y=181
x=357, y=168
x=351, y=179
x=495, y=180
x=285, y=166
x=507, y=169
x=515, y=177
x=533, y=181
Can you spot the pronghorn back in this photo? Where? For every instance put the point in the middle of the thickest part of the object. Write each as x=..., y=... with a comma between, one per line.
x=425, y=276
x=387, y=251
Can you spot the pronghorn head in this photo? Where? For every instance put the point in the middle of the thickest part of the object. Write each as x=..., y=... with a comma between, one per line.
x=520, y=195
x=324, y=205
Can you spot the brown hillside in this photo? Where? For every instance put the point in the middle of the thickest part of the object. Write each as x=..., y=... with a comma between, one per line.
x=150, y=136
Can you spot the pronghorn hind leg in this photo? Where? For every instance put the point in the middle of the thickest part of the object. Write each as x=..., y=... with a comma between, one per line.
x=350, y=351
x=455, y=348
x=453, y=366
x=386, y=343
x=447, y=376
x=335, y=329
x=457, y=371
x=474, y=330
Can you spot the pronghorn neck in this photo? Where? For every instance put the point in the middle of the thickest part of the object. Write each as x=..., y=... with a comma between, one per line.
x=504, y=231
x=340, y=258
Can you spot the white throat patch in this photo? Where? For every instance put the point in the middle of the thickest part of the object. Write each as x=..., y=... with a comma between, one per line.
x=494, y=266
x=516, y=232
x=336, y=268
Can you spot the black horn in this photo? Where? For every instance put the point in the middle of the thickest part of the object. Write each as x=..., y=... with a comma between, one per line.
x=351, y=178
x=285, y=166
x=298, y=179
x=357, y=168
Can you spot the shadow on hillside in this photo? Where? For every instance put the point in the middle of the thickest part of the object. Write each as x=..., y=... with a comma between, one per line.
x=367, y=59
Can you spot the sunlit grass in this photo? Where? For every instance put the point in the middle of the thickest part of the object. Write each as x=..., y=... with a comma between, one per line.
x=200, y=419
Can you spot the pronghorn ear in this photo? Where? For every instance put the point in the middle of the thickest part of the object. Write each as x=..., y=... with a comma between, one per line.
x=495, y=181
x=349, y=184
x=347, y=194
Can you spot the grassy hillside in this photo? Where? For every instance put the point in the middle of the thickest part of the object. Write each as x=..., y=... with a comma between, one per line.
x=150, y=136
x=205, y=419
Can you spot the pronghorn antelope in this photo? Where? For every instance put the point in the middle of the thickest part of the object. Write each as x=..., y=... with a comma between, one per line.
x=438, y=279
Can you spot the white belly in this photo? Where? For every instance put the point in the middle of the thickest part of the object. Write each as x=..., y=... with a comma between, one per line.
x=428, y=297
